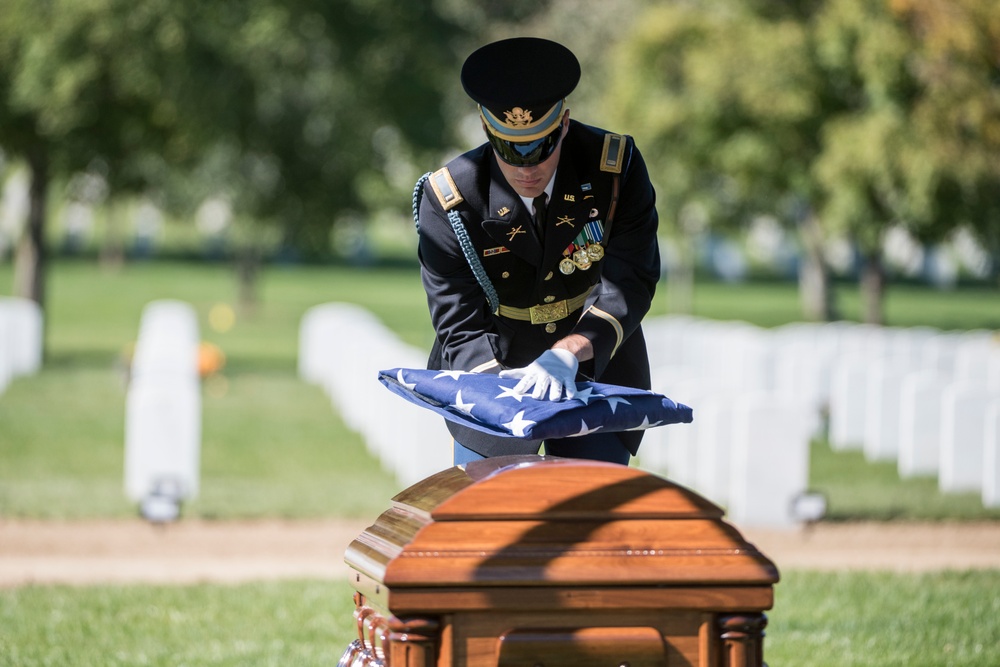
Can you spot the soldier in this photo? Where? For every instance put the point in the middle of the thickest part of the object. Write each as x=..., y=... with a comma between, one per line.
x=538, y=249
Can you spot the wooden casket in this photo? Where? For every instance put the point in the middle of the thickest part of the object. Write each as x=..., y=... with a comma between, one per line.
x=534, y=560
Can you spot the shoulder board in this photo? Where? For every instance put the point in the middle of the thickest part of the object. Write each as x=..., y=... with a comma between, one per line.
x=611, y=156
x=444, y=187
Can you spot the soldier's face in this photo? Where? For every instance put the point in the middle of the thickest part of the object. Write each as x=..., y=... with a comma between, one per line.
x=531, y=181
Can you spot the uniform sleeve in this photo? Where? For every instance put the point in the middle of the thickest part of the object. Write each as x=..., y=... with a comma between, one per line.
x=465, y=328
x=631, y=267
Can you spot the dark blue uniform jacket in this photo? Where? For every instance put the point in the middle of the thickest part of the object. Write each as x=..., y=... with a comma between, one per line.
x=525, y=273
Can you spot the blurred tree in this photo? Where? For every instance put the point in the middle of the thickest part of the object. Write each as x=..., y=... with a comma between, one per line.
x=921, y=145
x=729, y=102
x=921, y=148
x=274, y=104
x=837, y=116
x=105, y=87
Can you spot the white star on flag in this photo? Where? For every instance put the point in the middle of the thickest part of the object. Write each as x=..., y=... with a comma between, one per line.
x=613, y=401
x=519, y=424
x=403, y=383
x=585, y=430
x=462, y=407
x=454, y=375
x=586, y=395
x=644, y=425
x=508, y=392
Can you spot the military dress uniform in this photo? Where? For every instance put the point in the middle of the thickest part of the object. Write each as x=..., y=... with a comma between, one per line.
x=500, y=291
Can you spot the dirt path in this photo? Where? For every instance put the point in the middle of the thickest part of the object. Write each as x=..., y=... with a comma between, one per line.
x=93, y=552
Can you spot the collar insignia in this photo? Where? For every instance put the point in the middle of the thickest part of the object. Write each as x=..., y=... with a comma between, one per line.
x=514, y=232
x=566, y=220
x=504, y=211
x=569, y=198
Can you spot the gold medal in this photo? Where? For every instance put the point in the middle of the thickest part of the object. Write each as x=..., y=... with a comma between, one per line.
x=581, y=259
x=595, y=251
x=566, y=266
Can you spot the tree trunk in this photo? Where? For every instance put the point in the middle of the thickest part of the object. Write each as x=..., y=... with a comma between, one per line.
x=30, y=262
x=112, y=253
x=247, y=272
x=815, y=292
x=680, y=278
x=872, y=285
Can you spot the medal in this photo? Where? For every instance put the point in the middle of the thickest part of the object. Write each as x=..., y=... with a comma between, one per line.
x=566, y=266
x=595, y=251
x=581, y=259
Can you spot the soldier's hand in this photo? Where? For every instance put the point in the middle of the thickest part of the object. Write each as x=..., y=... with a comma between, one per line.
x=548, y=376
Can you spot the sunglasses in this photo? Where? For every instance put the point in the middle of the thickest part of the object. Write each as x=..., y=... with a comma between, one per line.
x=526, y=153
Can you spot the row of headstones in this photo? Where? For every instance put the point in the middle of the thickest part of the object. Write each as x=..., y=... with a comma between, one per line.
x=342, y=348
x=747, y=449
x=927, y=398
x=163, y=411
x=20, y=339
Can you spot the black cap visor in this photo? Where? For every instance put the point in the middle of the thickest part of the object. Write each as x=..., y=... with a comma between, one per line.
x=526, y=153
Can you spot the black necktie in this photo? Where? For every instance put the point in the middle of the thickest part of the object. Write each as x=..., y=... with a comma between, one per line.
x=539, y=204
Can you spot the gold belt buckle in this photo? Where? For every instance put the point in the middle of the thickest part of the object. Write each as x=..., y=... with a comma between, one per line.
x=548, y=312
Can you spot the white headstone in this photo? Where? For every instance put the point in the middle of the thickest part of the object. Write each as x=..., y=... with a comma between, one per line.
x=848, y=402
x=321, y=330
x=5, y=370
x=770, y=460
x=163, y=411
x=24, y=335
x=920, y=424
x=972, y=350
x=881, y=439
x=991, y=457
x=713, y=442
x=678, y=445
x=963, y=421
x=162, y=439
x=167, y=344
x=342, y=347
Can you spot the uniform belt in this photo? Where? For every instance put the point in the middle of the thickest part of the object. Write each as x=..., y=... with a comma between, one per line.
x=544, y=313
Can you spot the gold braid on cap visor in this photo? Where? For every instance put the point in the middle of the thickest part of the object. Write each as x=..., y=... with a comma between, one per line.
x=519, y=141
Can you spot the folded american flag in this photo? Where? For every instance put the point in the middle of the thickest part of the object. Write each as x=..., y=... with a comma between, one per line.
x=488, y=403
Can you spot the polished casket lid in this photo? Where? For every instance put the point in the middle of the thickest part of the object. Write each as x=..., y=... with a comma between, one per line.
x=547, y=521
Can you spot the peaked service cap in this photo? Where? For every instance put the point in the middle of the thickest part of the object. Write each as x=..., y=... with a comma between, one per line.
x=520, y=85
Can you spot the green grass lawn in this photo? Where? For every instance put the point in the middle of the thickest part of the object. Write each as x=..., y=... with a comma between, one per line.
x=819, y=620
x=857, y=489
x=273, y=446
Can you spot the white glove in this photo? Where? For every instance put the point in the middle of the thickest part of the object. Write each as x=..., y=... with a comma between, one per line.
x=552, y=372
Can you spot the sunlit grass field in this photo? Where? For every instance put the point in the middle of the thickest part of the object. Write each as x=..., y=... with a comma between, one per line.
x=869, y=619
x=273, y=446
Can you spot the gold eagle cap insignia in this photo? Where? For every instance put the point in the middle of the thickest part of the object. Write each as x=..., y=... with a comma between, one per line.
x=518, y=116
